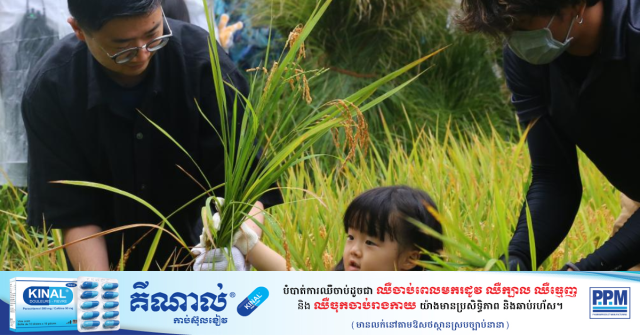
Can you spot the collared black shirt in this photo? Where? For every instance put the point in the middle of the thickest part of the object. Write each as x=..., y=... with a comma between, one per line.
x=81, y=126
x=591, y=103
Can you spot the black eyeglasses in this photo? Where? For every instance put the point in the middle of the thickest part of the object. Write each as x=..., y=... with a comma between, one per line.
x=156, y=44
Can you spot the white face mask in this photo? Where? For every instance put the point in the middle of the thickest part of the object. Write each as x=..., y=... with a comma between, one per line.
x=538, y=46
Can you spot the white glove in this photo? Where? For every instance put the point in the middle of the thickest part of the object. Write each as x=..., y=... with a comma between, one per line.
x=216, y=260
x=245, y=239
x=205, y=220
x=213, y=259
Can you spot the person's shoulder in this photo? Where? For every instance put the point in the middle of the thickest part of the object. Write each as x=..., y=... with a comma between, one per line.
x=527, y=85
x=634, y=27
x=192, y=42
x=57, y=63
x=634, y=15
x=513, y=62
x=520, y=73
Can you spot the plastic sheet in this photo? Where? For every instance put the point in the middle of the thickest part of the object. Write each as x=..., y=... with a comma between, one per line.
x=27, y=30
x=197, y=13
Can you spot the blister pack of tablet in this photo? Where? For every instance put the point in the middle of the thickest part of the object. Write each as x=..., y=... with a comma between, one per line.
x=98, y=304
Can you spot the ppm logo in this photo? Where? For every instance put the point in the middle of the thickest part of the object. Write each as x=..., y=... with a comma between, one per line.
x=610, y=303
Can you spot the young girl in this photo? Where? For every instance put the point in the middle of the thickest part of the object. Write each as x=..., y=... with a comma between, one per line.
x=379, y=236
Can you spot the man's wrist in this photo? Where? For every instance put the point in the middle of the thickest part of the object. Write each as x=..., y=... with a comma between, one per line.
x=86, y=249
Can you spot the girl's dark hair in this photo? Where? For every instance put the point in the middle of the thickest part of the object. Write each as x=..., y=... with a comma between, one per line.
x=382, y=212
x=92, y=15
x=176, y=9
x=496, y=17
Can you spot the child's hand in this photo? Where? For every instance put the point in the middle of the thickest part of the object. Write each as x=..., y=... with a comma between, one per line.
x=245, y=239
x=216, y=260
x=225, y=31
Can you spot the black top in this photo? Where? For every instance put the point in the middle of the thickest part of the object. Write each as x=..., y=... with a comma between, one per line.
x=82, y=126
x=590, y=103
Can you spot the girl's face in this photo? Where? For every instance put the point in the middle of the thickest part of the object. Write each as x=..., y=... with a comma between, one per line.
x=367, y=253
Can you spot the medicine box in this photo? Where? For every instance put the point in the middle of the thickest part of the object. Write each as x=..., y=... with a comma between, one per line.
x=42, y=304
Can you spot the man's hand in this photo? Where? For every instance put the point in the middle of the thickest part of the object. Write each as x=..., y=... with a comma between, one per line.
x=244, y=240
x=216, y=260
x=88, y=255
x=569, y=267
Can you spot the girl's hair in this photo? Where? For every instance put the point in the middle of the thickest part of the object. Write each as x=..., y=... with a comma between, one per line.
x=176, y=9
x=383, y=212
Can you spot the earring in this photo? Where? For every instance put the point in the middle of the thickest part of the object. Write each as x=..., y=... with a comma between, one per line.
x=581, y=20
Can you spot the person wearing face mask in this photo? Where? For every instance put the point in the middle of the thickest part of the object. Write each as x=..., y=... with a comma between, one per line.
x=573, y=68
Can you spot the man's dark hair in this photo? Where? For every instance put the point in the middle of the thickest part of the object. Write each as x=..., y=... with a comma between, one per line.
x=92, y=15
x=496, y=17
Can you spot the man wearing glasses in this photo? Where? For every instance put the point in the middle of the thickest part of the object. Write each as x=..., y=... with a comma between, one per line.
x=80, y=110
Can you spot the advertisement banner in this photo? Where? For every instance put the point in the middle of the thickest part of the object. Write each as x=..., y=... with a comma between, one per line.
x=321, y=302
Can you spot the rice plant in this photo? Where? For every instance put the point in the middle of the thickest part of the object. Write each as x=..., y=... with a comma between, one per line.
x=361, y=40
x=286, y=143
x=478, y=181
x=20, y=245
x=477, y=176
x=279, y=147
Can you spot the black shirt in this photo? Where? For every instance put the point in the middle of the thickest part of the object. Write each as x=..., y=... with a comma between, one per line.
x=590, y=103
x=82, y=126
